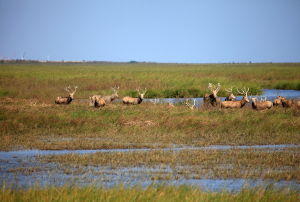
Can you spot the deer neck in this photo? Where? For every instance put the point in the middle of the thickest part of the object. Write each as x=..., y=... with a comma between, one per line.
x=140, y=98
x=243, y=102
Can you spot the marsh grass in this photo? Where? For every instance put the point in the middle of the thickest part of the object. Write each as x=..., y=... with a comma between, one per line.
x=46, y=81
x=32, y=124
x=224, y=164
x=152, y=193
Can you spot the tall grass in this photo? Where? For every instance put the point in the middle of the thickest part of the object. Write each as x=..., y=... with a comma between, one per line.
x=152, y=193
x=49, y=126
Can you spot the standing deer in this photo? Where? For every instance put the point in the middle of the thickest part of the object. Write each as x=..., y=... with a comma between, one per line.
x=261, y=105
x=135, y=101
x=212, y=99
x=230, y=97
x=68, y=99
x=237, y=104
x=109, y=98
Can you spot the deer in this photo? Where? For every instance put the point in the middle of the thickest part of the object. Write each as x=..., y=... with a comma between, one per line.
x=97, y=101
x=212, y=99
x=191, y=106
x=237, y=104
x=230, y=97
x=262, y=104
x=277, y=101
x=297, y=103
x=286, y=103
x=109, y=98
x=68, y=99
x=135, y=101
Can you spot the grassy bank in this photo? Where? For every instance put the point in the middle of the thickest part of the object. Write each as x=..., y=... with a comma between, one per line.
x=46, y=81
x=28, y=124
x=163, y=193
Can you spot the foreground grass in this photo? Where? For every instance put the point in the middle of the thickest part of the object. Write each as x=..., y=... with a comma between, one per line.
x=27, y=124
x=197, y=164
x=162, y=193
x=46, y=81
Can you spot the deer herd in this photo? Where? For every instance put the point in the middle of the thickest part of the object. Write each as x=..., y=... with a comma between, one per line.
x=209, y=100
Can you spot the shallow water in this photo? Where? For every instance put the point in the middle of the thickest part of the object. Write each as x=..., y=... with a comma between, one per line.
x=22, y=169
x=270, y=94
x=31, y=153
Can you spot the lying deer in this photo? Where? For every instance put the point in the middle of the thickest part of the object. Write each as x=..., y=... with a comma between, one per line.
x=97, y=101
x=109, y=98
x=286, y=103
x=230, y=97
x=135, y=101
x=212, y=99
x=237, y=104
x=277, y=101
x=261, y=105
x=68, y=99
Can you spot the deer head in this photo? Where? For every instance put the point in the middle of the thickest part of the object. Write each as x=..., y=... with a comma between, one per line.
x=244, y=92
x=70, y=91
x=214, y=89
x=115, y=90
x=231, y=96
x=141, y=93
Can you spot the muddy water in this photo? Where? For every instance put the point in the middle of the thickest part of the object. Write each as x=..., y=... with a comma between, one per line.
x=22, y=169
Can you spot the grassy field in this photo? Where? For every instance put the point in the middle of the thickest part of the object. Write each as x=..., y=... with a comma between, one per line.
x=25, y=124
x=163, y=193
x=29, y=119
x=46, y=81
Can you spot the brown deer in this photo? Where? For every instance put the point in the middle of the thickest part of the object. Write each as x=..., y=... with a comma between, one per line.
x=297, y=104
x=237, y=104
x=68, y=99
x=135, y=101
x=97, y=101
x=277, y=101
x=230, y=97
x=212, y=99
x=261, y=105
x=286, y=103
x=109, y=98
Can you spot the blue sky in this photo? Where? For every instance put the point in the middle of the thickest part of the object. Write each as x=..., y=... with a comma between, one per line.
x=191, y=31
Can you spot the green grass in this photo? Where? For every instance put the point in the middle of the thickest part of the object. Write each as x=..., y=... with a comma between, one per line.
x=27, y=124
x=46, y=81
x=152, y=193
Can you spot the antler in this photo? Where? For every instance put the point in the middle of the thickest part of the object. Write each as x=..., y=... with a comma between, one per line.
x=243, y=91
x=214, y=88
x=190, y=105
x=75, y=88
x=229, y=90
x=68, y=88
x=263, y=98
